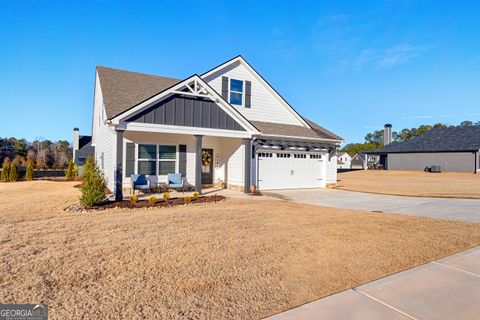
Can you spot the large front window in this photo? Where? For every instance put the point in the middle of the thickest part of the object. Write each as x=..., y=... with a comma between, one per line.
x=236, y=92
x=156, y=159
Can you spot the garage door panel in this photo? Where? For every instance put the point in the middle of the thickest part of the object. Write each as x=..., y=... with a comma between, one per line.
x=289, y=173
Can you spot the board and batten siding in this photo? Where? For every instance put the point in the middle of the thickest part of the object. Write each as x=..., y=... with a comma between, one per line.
x=448, y=161
x=264, y=105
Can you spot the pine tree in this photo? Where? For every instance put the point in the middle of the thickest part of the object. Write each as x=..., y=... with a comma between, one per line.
x=29, y=173
x=93, y=187
x=69, y=172
x=5, y=171
x=13, y=174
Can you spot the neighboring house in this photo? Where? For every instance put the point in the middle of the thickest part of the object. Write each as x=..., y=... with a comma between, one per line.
x=227, y=124
x=365, y=161
x=82, y=149
x=452, y=148
x=344, y=161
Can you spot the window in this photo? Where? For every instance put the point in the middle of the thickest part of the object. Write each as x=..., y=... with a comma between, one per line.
x=150, y=154
x=265, y=155
x=315, y=156
x=167, y=156
x=236, y=92
x=147, y=155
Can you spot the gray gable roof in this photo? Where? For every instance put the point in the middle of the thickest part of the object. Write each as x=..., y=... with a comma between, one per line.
x=123, y=90
x=451, y=139
x=280, y=129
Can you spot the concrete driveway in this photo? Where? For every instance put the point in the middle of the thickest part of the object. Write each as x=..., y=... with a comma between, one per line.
x=452, y=209
x=445, y=289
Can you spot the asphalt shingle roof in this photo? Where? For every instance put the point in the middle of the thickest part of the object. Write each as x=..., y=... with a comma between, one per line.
x=122, y=89
x=280, y=129
x=450, y=139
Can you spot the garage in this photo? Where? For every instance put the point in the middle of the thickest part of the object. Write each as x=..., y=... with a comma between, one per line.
x=290, y=170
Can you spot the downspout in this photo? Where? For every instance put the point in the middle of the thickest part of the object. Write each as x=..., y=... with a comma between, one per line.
x=476, y=164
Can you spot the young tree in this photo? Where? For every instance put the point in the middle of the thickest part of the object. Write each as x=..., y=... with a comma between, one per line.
x=93, y=187
x=29, y=175
x=13, y=174
x=69, y=173
x=19, y=161
x=5, y=170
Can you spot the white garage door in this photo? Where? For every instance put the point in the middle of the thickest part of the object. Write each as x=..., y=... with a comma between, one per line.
x=283, y=170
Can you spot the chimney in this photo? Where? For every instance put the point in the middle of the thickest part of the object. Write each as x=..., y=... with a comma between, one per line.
x=387, y=134
x=76, y=141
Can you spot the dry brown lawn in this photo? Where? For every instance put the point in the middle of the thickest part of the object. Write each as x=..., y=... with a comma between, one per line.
x=412, y=183
x=235, y=259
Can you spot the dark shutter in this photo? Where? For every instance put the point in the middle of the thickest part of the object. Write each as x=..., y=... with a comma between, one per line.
x=225, y=88
x=130, y=159
x=248, y=94
x=182, y=159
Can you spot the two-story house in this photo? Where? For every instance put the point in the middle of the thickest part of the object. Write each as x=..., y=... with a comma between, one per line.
x=226, y=124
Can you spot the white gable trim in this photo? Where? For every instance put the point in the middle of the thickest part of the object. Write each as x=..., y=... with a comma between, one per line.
x=196, y=86
x=259, y=78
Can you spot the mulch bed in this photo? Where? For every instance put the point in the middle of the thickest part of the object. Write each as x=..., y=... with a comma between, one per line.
x=144, y=204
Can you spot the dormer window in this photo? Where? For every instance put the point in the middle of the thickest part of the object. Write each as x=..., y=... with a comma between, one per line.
x=236, y=92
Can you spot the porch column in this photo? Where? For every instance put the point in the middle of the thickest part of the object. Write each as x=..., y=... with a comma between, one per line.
x=118, y=176
x=248, y=164
x=198, y=163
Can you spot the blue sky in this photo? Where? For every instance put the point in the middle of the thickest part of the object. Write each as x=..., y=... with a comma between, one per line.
x=351, y=66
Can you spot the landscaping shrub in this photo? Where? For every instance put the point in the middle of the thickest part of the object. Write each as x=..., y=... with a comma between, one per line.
x=196, y=195
x=153, y=199
x=29, y=173
x=134, y=198
x=75, y=171
x=69, y=173
x=166, y=196
x=187, y=199
x=93, y=187
x=5, y=170
x=13, y=174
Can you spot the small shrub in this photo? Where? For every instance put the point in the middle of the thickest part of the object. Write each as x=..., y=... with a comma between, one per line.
x=69, y=174
x=13, y=174
x=5, y=170
x=75, y=171
x=166, y=196
x=153, y=199
x=93, y=187
x=187, y=199
x=134, y=198
x=29, y=173
x=196, y=195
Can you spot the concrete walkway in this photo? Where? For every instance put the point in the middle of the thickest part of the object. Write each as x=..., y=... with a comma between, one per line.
x=445, y=289
x=452, y=209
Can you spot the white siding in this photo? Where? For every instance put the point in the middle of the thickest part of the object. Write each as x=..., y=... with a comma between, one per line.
x=103, y=138
x=451, y=161
x=331, y=170
x=265, y=106
x=229, y=151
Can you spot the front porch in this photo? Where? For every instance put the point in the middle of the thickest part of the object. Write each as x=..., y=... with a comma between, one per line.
x=200, y=159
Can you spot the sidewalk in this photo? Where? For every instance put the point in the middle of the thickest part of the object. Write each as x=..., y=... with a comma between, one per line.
x=448, y=288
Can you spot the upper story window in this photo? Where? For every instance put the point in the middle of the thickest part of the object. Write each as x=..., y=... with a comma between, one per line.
x=236, y=92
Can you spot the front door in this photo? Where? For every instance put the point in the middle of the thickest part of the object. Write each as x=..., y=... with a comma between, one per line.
x=207, y=166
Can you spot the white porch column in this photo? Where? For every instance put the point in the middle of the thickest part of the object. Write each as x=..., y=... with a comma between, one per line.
x=118, y=174
x=198, y=163
x=248, y=164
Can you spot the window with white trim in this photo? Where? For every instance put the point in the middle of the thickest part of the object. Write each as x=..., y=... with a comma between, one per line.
x=155, y=159
x=236, y=92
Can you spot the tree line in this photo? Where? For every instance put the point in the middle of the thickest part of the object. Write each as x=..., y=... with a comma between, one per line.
x=374, y=139
x=43, y=154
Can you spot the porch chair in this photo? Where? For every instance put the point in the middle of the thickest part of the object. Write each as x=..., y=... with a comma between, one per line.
x=139, y=182
x=175, y=180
